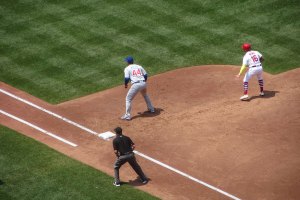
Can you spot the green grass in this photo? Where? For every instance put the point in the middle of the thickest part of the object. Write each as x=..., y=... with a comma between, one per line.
x=61, y=50
x=31, y=170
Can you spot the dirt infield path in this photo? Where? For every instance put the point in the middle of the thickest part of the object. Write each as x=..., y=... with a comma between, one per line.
x=249, y=149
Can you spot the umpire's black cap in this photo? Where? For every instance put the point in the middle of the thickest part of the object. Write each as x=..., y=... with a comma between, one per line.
x=118, y=130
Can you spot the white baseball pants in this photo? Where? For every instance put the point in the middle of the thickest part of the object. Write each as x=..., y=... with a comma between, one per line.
x=258, y=71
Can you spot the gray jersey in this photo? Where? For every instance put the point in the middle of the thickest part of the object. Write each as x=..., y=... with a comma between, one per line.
x=135, y=73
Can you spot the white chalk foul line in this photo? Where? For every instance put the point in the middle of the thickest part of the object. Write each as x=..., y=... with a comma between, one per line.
x=38, y=128
x=49, y=112
x=186, y=175
x=138, y=153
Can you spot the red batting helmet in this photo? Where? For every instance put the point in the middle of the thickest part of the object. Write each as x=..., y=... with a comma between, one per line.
x=246, y=47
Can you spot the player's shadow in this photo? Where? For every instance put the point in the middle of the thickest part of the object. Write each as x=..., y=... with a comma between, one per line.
x=148, y=114
x=268, y=94
x=1, y=182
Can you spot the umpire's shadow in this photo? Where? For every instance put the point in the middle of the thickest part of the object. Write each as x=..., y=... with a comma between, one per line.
x=148, y=114
x=137, y=182
x=268, y=94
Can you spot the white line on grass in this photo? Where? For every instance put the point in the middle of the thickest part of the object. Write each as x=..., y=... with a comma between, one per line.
x=138, y=153
x=38, y=128
x=49, y=112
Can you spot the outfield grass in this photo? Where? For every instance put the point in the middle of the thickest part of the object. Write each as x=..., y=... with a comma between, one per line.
x=31, y=170
x=61, y=49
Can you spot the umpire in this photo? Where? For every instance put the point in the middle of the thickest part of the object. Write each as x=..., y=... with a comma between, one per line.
x=123, y=147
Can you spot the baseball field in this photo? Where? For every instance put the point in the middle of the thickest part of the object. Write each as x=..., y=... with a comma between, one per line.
x=61, y=75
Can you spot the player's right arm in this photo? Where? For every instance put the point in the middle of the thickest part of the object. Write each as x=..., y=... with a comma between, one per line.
x=244, y=66
x=242, y=69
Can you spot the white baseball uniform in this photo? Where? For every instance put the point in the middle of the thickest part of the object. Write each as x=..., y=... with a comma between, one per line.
x=138, y=84
x=252, y=61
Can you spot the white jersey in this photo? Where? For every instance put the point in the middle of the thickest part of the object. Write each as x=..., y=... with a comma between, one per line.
x=135, y=73
x=252, y=58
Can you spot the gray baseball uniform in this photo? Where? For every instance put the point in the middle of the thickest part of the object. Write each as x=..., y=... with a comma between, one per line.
x=138, y=78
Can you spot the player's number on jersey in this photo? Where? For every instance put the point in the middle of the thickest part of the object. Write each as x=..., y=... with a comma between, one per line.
x=254, y=58
x=136, y=72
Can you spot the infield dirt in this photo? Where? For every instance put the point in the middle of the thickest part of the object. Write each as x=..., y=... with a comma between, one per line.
x=249, y=149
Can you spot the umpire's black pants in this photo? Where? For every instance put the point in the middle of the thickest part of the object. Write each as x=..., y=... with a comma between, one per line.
x=130, y=158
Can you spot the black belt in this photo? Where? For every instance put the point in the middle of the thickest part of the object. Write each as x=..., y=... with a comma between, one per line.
x=127, y=153
x=139, y=81
x=255, y=66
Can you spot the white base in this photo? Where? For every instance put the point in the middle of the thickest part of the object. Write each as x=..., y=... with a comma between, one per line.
x=106, y=135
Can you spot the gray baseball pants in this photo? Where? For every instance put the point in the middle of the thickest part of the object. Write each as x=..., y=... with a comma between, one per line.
x=134, y=89
x=130, y=158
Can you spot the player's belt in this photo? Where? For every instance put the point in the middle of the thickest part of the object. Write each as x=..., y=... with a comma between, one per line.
x=139, y=81
x=255, y=66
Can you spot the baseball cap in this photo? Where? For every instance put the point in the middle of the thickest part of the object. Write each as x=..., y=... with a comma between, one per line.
x=129, y=59
x=118, y=130
x=246, y=46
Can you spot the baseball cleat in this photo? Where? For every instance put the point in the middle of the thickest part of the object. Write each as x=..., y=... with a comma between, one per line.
x=126, y=117
x=244, y=97
x=144, y=181
x=152, y=111
x=262, y=94
x=116, y=184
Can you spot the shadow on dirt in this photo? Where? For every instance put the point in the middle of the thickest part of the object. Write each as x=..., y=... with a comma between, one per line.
x=148, y=114
x=268, y=94
x=136, y=182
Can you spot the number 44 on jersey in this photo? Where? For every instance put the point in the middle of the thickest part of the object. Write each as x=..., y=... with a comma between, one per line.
x=137, y=72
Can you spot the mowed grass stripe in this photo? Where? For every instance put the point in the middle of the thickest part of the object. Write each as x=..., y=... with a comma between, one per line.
x=38, y=80
x=143, y=28
x=147, y=33
x=56, y=71
x=267, y=34
x=53, y=85
x=123, y=43
x=208, y=34
x=32, y=68
x=259, y=31
x=260, y=35
x=183, y=40
x=257, y=26
x=153, y=40
x=162, y=35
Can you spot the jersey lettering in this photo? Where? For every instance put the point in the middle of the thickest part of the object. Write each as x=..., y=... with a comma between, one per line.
x=136, y=72
x=254, y=58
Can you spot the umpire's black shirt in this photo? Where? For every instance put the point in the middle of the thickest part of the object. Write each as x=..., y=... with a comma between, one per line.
x=122, y=144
